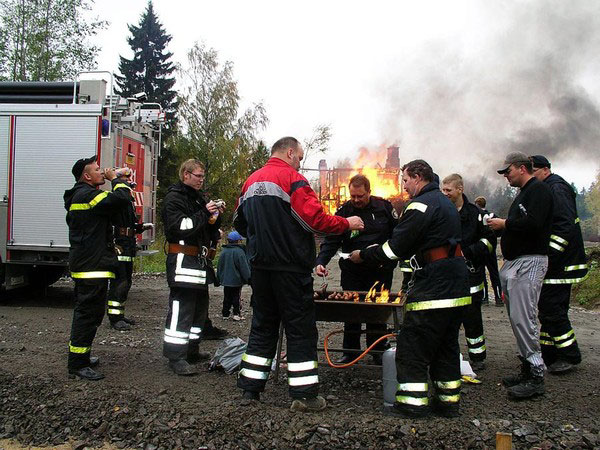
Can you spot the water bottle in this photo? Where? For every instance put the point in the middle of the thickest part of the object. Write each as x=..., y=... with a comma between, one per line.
x=122, y=172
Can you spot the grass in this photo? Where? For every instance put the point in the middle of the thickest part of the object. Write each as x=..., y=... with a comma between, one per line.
x=587, y=293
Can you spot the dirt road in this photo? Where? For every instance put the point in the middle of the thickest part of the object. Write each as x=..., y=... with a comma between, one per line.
x=141, y=404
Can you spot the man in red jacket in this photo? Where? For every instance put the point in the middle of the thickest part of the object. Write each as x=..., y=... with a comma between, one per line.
x=279, y=214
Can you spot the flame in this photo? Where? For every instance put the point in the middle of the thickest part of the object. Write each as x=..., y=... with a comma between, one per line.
x=384, y=296
x=372, y=293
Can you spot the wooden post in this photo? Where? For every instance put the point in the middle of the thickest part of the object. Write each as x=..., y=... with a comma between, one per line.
x=503, y=441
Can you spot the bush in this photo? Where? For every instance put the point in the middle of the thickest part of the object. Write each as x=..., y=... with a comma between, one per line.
x=587, y=293
x=154, y=263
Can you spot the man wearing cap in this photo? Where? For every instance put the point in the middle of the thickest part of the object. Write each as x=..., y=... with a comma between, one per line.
x=189, y=229
x=524, y=243
x=92, y=257
x=566, y=266
x=428, y=233
x=380, y=218
x=233, y=272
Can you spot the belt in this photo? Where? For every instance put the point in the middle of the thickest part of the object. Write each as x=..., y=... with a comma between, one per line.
x=189, y=250
x=125, y=231
x=437, y=253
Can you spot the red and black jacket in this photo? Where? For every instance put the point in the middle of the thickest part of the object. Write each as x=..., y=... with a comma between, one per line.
x=279, y=214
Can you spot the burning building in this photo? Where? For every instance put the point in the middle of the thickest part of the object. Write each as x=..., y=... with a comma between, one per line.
x=386, y=180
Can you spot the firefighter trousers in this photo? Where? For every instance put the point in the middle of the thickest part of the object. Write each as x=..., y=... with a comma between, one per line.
x=90, y=298
x=473, y=324
x=118, y=290
x=185, y=320
x=285, y=297
x=557, y=338
x=428, y=346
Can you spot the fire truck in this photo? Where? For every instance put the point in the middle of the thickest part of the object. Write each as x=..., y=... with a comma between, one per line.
x=44, y=129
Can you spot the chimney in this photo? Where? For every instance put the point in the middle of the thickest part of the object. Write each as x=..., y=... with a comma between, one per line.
x=393, y=157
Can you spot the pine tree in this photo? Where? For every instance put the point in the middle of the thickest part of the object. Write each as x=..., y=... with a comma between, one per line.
x=150, y=71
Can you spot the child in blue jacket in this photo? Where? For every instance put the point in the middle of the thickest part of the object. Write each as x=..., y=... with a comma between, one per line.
x=233, y=272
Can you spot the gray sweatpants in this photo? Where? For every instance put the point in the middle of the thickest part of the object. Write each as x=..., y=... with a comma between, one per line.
x=521, y=281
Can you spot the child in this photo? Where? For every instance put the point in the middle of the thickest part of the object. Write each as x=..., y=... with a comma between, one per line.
x=233, y=272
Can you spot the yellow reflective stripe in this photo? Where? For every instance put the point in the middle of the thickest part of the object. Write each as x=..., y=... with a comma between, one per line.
x=558, y=239
x=303, y=381
x=576, y=267
x=565, y=344
x=564, y=336
x=125, y=258
x=121, y=186
x=577, y=220
x=418, y=206
x=388, y=251
x=113, y=303
x=556, y=246
x=488, y=244
x=413, y=387
x=435, y=304
x=256, y=360
x=83, y=206
x=424, y=401
x=114, y=311
x=476, y=340
x=406, y=269
x=299, y=367
x=476, y=289
x=450, y=398
x=566, y=280
x=448, y=384
x=478, y=349
x=544, y=334
x=545, y=342
x=254, y=374
x=98, y=274
x=74, y=349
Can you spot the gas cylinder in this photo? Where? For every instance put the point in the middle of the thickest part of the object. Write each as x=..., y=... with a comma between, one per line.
x=390, y=382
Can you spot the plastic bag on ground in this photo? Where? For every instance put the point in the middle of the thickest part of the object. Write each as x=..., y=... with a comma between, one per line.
x=229, y=355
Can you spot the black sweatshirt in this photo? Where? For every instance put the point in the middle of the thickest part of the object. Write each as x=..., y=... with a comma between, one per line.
x=527, y=230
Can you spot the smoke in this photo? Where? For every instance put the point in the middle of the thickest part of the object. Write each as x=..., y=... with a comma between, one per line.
x=520, y=76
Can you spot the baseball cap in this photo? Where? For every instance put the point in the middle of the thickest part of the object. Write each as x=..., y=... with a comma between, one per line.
x=513, y=158
x=234, y=236
x=78, y=167
x=540, y=161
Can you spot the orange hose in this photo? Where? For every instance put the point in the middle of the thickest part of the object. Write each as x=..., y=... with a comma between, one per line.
x=359, y=357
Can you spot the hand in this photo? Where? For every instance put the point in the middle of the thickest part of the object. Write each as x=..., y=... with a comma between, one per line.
x=321, y=271
x=109, y=174
x=355, y=256
x=497, y=224
x=355, y=223
x=212, y=207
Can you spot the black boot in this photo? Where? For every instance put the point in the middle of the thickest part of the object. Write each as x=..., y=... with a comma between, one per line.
x=442, y=409
x=527, y=388
x=514, y=380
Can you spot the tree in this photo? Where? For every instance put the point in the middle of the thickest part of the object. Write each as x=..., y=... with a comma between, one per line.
x=46, y=40
x=592, y=202
x=150, y=71
x=212, y=128
x=317, y=143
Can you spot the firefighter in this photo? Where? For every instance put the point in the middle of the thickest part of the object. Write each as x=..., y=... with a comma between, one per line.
x=92, y=257
x=380, y=218
x=476, y=244
x=429, y=234
x=125, y=226
x=566, y=266
x=278, y=212
x=190, y=222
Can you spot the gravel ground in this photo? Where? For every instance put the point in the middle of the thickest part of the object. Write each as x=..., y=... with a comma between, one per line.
x=142, y=404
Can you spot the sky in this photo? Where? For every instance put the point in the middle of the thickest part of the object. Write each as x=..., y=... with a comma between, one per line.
x=459, y=84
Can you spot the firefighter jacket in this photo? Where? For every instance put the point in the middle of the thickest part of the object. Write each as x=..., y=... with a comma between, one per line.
x=527, y=227
x=429, y=221
x=566, y=254
x=185, y=220
x=476, y=243
x=279, y=213
x=379, y=218
x=92, y=253
x=126, y=226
